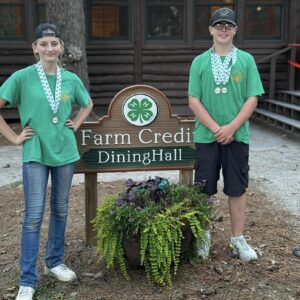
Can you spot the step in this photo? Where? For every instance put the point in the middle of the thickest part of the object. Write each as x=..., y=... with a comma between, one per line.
x=291, y=93
x=277, y=117
x=284, y=104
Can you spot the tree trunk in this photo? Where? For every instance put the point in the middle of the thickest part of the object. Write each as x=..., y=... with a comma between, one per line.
x=69, y=15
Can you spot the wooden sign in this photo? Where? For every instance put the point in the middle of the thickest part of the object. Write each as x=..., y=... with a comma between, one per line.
x=139, y=133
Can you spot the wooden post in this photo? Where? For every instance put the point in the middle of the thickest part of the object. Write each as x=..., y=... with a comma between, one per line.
x=291, y=70
x=186, y=176
x=272, y=77
x=91, y=204
x=138, y=33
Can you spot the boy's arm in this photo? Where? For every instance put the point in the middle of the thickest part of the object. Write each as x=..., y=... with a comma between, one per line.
x=225, y=134
x=202, y=115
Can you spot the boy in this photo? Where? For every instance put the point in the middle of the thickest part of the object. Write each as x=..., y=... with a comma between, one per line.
x=223, y=87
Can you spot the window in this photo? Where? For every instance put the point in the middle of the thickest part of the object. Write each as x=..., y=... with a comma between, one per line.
x=203, y=12
x=12, y=20
x=165, y=20
x=109, y=19
x=263, y=19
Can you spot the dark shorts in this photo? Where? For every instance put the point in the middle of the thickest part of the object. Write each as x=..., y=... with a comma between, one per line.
x=232, y=159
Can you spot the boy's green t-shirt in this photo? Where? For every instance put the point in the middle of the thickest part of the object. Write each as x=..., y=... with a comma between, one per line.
x=53, y=144
x=244, y=82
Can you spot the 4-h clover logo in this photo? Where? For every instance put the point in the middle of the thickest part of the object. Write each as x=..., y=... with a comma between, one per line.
x=140, y=110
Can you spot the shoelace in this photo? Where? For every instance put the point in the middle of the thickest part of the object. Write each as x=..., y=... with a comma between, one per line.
x=25, y=292
x=244, y=244
x=63, y=267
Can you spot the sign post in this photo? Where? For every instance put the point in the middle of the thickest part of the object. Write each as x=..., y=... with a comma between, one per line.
x=138, y=134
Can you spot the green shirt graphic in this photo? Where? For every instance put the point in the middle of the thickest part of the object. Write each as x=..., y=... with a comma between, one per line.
x=54, y=144
x=244, y=82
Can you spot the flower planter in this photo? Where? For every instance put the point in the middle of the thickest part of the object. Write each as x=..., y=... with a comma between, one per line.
x=171, y=220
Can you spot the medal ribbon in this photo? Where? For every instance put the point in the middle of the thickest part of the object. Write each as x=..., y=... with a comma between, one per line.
x=222, y=70
x=53, y=101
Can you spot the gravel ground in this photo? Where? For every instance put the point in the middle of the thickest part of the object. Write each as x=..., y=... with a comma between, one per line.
x=274, y=166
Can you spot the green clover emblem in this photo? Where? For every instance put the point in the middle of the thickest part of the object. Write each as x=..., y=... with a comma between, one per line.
x=140, y=110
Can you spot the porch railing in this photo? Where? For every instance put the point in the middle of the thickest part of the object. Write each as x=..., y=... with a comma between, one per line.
x=292, y=48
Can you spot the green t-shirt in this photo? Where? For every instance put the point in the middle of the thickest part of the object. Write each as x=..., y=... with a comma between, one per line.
x=54, y=144
x=244, y=82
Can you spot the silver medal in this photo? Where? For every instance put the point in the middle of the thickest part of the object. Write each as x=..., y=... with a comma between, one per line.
x=224, y=90
x=221, y=70
x=53, y=101
x=55, y=120
x=217, y=90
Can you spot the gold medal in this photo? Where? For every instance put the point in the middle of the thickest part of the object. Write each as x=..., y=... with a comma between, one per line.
x=224, y=90
x=55, y=120
x=217, y=90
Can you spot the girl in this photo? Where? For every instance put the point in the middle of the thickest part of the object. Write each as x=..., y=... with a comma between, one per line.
x=44, y=94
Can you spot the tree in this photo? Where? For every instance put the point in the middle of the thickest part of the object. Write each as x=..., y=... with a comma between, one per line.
x=69, y=15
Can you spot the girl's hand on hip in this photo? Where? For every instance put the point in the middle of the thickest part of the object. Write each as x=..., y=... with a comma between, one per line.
x=69, y=123
x=26, y=134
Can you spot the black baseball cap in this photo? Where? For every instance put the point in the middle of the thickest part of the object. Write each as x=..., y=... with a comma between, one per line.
x=46, y=29
x=223, y=15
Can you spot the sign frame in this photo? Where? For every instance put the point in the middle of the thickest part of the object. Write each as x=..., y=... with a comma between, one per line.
x=113, y=132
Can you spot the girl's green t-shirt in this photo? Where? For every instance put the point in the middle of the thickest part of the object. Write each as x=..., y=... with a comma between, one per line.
x=53, y=144
x=244, y=82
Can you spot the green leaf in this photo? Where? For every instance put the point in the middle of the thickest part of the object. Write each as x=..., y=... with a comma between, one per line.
x=133, y=115
x=146, y=115
x=146, y=104
x=134, y=104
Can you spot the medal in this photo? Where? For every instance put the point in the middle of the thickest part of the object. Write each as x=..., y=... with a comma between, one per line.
x=222, y=70
x=55, y=120
x=217, y=90
x=53, y=101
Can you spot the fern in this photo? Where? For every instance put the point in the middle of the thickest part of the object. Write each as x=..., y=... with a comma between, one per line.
x=157, y=223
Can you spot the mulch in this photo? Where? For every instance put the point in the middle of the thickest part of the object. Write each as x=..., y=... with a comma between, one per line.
x=273, y=232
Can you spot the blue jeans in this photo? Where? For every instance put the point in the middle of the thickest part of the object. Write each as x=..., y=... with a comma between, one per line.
x=35, y=179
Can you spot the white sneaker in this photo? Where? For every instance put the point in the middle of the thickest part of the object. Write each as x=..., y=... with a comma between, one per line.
x=25, y=293
x=204, y=246
x=61, y=272
x=242, y=248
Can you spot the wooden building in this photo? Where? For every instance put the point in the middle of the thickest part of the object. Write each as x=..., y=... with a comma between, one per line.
x=154, y=41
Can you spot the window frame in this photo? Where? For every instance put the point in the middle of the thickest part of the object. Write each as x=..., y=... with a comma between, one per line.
x=233, y=5
x=108, y=40
x=137, y=15
x=283, y=11
x=30, y=20
x=17, y=39
x=163, y=41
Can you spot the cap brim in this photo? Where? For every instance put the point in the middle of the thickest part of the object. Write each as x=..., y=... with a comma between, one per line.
x=223, y=20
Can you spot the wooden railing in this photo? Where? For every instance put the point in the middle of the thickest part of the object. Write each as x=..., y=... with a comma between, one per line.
x=292, y=48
